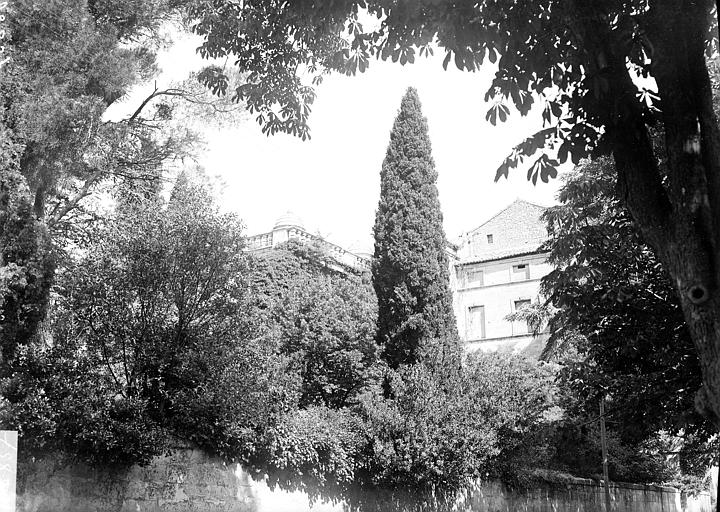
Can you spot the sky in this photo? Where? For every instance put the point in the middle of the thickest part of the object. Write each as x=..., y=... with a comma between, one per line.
x=332, y=181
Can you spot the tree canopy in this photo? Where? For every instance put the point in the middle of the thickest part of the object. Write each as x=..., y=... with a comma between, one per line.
x=323, y=318
x=148, y=341
x=617, y=321
x=70, y=62
x=588, y=64
x=410, y=269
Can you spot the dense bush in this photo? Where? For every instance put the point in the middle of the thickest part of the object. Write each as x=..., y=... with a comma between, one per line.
x=27, y=265
x=149, y=341
x=323, y=317
x=425, y=435
x=329, y=324
x=441, y=432
x=61, y=401
x=577, y=450
x=233, y=397
x=318, y=445
x=435, y=434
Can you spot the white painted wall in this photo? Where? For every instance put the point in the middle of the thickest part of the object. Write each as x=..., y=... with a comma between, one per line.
x=499, y=291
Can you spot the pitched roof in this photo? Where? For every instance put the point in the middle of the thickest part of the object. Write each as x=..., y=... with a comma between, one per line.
x=514, y=204
x=515, y=230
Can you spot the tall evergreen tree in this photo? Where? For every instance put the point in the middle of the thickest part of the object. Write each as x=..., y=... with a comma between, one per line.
x=410, y=268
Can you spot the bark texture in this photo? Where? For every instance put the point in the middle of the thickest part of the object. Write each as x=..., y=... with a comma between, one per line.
x=676, y=204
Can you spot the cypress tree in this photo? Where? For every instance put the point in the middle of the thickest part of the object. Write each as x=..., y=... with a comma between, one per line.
x=410, y=267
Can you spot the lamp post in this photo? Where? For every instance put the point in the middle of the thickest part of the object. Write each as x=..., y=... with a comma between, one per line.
x=603, y=443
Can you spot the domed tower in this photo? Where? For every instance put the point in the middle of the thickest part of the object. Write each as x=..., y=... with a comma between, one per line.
x=288, y=220
x=287, y=226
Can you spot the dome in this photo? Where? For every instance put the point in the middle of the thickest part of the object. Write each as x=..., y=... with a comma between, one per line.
x=288, y=220
x=362, y=248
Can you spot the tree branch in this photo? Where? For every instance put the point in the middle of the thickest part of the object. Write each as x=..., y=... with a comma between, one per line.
x=84, y=191
x=156, y=93
x=639, y=180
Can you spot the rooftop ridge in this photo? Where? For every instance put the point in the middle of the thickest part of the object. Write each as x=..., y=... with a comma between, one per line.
x=517, y=200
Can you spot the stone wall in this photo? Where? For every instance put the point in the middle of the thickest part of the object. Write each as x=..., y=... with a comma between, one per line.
x=187, y=481
x=584, y=495
x=191, y=481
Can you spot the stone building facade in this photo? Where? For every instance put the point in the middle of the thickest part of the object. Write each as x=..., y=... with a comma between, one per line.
x=290, y=227
x=498, y=270
x=495, y=269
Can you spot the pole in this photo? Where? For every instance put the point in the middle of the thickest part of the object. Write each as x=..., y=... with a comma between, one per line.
x=717, y=484
x=603, y=443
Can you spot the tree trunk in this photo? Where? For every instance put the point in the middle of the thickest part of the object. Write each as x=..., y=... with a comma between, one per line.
x=717, y=485
x=674, y=198
x=691, y=248
x=672, y=193
x=39, y=202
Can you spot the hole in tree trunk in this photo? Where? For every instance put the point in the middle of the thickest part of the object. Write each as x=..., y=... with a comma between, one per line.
x=698, y=294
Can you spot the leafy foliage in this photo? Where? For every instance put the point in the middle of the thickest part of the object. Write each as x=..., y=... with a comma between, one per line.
x=410, y=268
x=435, y=435
x=278, y=38
x=531, y=64
x=619, y=321
x=330, y=325
x=582, y=60
x=70, y=62
x=61, y=401
x=68, y=65
x=27, y=265
x=323, y=317
x=317, y=445
x=148, y=342
x=575, y=446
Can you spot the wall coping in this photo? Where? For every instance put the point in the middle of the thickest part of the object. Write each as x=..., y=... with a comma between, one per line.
x=566, y=480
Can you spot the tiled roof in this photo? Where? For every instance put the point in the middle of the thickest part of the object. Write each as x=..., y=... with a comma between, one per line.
x=515, y=230
x=514, y=205
x=499, y=256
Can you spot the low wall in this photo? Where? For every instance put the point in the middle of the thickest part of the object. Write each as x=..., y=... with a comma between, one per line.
x=191, y=481
x=187, y=481
x=583, y=495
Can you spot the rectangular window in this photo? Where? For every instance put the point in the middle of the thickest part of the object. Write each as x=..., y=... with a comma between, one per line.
x=475, y=323
x=521, y=327
x=521, y=272
x=490, y=239
x=474, y=278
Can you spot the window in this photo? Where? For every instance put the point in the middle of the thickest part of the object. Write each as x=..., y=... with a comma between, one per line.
x=490, y=239
x=475, y=323
x=521, y=327
x=519, y=304
x=520, y=272
x=474, y=277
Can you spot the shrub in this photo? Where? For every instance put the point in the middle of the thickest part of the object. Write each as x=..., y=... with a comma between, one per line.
x=318, y=444
x=59, y=402
x=440, y=432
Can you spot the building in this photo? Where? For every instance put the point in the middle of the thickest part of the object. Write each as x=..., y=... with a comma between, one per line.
x=494, y=270
x=498, y=270
x=290, y=227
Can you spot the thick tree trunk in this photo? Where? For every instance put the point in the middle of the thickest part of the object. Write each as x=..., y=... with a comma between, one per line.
x=674, y=198
x=676, y=204
x=691, y=249
x=704, y=324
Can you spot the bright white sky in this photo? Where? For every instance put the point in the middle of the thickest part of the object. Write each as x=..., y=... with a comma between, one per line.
x=332, y=181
